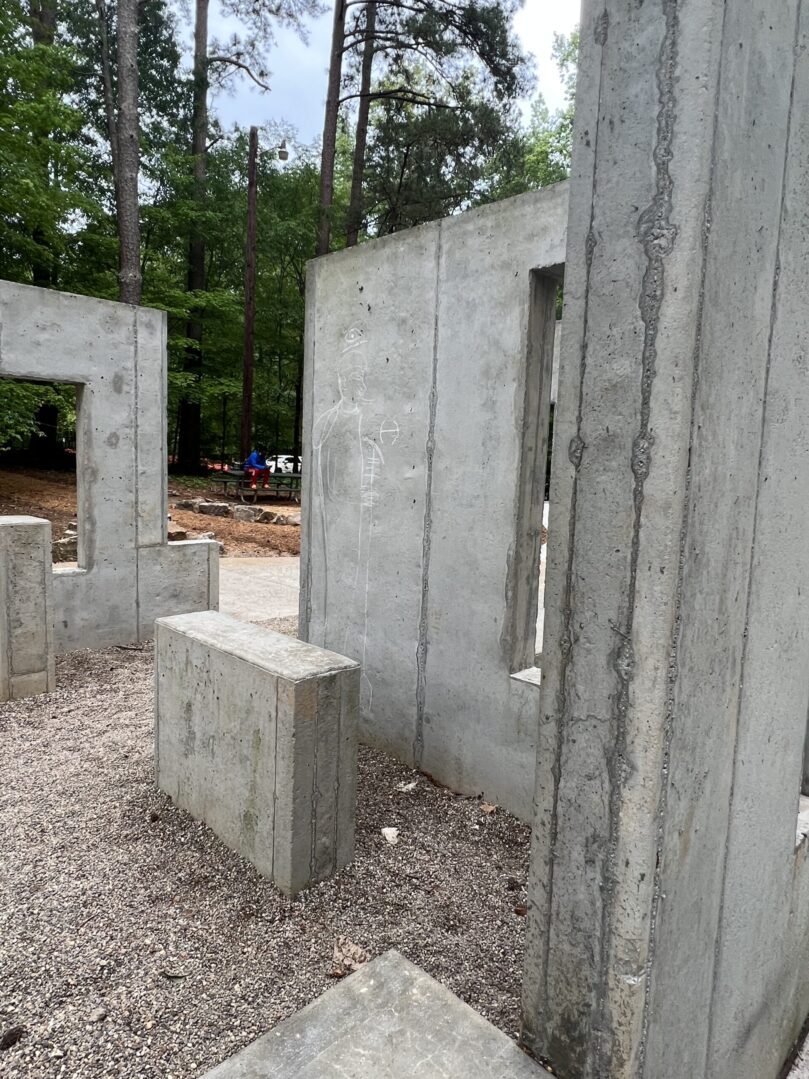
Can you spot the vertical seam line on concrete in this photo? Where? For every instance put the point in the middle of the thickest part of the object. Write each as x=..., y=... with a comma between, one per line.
x=135, y=477
x=339, y=679
x=4, y=595
x=658, y=236
x=575, y=453
x=315, y=794
x=752, y=559
x=673, y=668
x=422, y=646
x=274, y=786
x=305, y=572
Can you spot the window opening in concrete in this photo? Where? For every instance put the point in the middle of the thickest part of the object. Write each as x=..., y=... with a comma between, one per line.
x=527, y=570
x=38, y=431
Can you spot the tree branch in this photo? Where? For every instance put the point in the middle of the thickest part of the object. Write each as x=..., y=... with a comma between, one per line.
x=244, y=67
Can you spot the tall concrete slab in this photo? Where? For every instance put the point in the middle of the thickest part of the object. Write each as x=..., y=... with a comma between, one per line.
x=427, y=372
x=26, y=608
x=669, y=907
x=115, y=354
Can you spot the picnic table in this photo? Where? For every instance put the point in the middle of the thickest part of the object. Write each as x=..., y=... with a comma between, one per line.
x=237, y=482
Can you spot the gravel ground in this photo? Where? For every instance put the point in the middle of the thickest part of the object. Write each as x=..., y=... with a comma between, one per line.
x=133, y=943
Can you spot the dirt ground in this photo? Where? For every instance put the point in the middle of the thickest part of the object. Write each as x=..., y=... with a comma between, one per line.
x=134, y=944
x=53, y=495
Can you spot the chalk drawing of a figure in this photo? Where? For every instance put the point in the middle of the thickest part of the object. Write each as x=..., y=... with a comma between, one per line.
x=348, y=460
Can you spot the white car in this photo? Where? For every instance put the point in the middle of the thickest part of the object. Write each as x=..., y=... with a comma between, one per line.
x=283, y=462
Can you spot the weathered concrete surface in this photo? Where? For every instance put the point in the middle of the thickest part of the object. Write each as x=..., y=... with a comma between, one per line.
x=116, y=356
x=26, y=608
x=256, y=734
x=669, y=910
x=427, y=388
x=390, y=1020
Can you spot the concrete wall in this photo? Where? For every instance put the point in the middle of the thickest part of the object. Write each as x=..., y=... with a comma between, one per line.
x=669, y=916
x=256, y=734
x=26, y=608
x=425, y=410
x=116, y=355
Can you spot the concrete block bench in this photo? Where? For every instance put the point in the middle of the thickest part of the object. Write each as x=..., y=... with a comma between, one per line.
x=26, y=608
x=390, y=1020
x=256, y=735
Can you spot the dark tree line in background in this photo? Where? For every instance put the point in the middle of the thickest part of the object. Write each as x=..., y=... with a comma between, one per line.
x=118, y=180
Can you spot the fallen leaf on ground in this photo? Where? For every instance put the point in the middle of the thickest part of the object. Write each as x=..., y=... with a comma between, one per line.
x=347, y=957
x=521, y=909
x=405, y=787
x=392, y=835
x=487, y=807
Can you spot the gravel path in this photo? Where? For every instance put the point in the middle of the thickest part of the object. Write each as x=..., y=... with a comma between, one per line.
x=134, y=944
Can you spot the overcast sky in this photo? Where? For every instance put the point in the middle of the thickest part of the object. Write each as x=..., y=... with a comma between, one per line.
x=298, y=71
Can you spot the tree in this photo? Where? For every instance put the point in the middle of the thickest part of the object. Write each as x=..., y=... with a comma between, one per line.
x=246, y=55
x=361, y=136
x=433, y=55
x=124, y=138
x=249, y=297
x=330, y=123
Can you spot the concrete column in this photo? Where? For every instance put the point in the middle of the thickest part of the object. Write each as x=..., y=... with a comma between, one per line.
x=669, y=907
x=26, y=608
x=256, y=734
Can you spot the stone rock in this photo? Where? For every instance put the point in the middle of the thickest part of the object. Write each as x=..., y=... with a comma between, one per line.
x=214, y=509
x=207, y=535
x=189, y=504
x=266, y=517
x=177, y=534
x=247, y=513
x=65, y=549
x=98, y=1015
x=288, y=519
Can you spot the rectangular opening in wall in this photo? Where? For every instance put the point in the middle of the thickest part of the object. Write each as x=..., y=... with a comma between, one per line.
x=38, y=425
x=526, y=571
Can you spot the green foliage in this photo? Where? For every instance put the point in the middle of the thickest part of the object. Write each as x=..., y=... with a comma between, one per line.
x=43, y=156
x=444, y=134
x=20, y=404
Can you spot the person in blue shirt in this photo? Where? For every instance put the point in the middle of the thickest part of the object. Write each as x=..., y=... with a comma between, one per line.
x=255, y=466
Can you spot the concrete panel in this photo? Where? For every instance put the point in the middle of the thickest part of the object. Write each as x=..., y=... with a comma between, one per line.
x=178, y=577
x=256, y=734
x=116, y=356
x=390, y=1020
x=667, y=916
x=424, y=399
x=26, y=608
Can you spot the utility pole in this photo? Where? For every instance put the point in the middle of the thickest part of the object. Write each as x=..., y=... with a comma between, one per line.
x=249, y=297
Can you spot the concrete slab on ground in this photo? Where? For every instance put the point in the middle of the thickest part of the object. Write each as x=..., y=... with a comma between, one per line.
x=390, y=1020
x=257, y=589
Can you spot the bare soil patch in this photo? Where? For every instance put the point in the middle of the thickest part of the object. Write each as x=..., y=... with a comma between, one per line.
x=53, y=495
x=134, y=944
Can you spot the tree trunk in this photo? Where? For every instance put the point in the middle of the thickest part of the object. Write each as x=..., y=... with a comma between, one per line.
x=188, y=452
x=43, y=32
x=330, y=127
x=358, y=171
x=109, y=93
x=249, y=297
x=129, y=275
